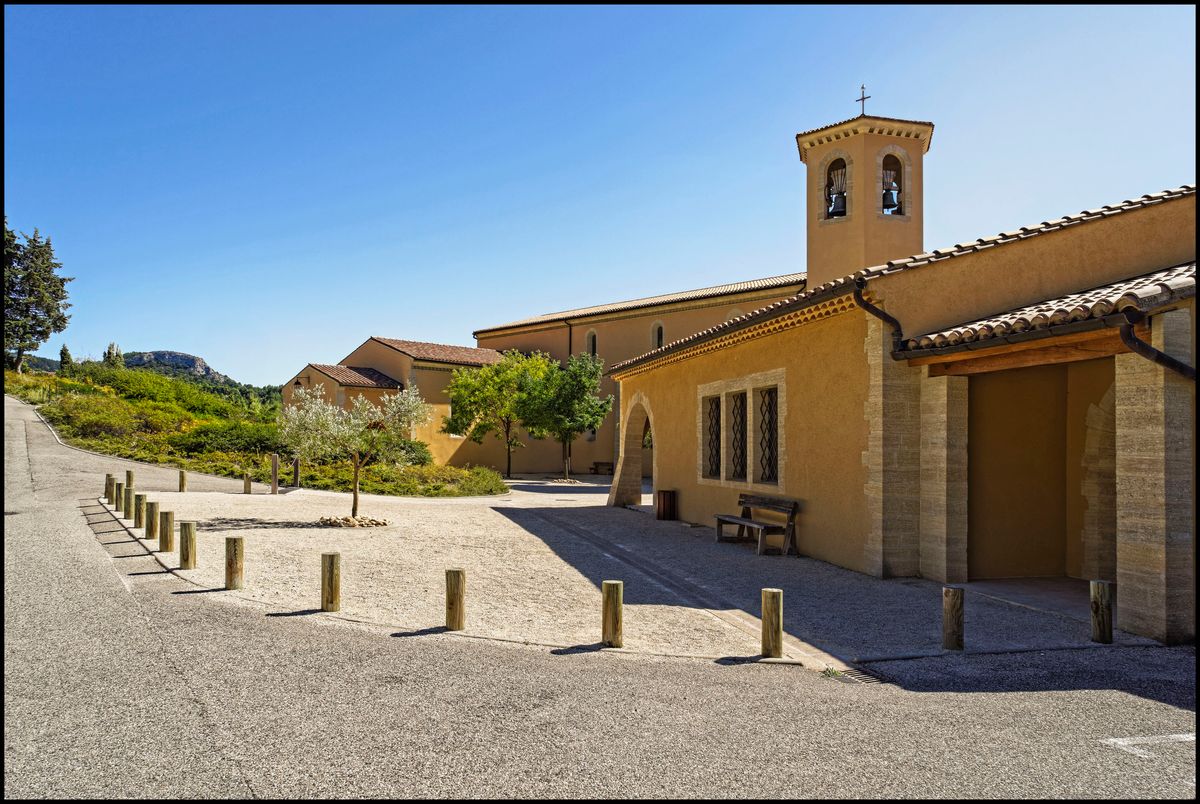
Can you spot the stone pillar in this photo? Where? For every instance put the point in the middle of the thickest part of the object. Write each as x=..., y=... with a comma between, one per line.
x=1155, y=419
x=892, y=458
x=944, y=478
x=1099, y=489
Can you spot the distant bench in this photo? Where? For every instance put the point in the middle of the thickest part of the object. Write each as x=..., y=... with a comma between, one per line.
x=745, y=522
x=602, y=468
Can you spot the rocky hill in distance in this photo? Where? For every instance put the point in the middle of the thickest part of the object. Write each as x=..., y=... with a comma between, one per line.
x=175, y=363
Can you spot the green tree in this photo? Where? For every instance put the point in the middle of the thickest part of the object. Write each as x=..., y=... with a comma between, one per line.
x=113, y=356
x=315, y=429
x=66, y=366
x=35, y=297
x=565, y=402
x=488, y=399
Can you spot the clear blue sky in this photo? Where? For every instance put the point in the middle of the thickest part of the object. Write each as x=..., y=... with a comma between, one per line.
x=269, y=186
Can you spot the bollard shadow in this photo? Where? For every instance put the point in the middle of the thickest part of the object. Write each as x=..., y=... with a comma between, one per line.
x=594, y=647
x=300, y=613
x=733, y=661
x=149, y=572
x=437, y=629
x=199, y=591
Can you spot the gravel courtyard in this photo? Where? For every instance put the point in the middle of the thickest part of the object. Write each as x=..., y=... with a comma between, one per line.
x=522, y=585
x=535, y=559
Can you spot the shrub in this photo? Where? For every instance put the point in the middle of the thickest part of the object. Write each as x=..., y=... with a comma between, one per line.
x=233, y=436
x=161, y=417
x=91, y=416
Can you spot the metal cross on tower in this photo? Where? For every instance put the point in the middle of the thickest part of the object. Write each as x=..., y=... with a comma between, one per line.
x=864, y=98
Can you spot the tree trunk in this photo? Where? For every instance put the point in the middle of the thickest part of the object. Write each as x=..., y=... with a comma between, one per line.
x=354, y=507
x=566, y=445
x=20, y=361
x=508, y=447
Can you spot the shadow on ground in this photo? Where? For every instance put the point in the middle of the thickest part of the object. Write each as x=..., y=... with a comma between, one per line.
x=859, y=618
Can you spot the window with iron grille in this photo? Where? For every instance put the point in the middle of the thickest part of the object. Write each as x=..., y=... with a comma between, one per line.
x=768, y=435
x=737, y=436
x=712, y=436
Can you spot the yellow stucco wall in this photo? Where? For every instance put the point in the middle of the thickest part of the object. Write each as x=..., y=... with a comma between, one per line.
x=824, y=390
x=1016, y=444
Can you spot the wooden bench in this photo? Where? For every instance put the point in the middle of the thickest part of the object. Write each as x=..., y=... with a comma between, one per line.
x=745, y=522
x=602, y=468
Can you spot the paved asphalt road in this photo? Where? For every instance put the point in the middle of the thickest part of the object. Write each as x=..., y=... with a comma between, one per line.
x=120, y=680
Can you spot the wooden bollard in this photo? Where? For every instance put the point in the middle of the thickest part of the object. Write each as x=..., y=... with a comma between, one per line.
x=151, y=520
x=245, y=483
x=295, y=473
x=331, y=581
x=772, y=623
x=119, y=493
x=128, y=478
x=110, y=488
x=182, y=480
x=456, y=594
x=235, y=554
x=187, y=545
x=139, y=510
x=612, y=629
x=128, y=512
x=1102, y=601
x=274, y=472
x=166, y=531
x=952, y=617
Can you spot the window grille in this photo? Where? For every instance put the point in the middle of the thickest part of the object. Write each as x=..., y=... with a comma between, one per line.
x=768, y=435
x=712, y=452
x=737, y=451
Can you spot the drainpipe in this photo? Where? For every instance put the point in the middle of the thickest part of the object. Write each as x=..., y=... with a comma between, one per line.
x=897, y=333
x=1147, y=351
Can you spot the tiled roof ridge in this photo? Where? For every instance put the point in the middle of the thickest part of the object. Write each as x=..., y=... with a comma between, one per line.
x=763, y=283
x=1142, y=293
x=441, y=352
x=862, y=117
x=845, y=284
x=357, y=376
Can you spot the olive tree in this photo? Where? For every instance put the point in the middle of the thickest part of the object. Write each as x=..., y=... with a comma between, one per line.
x=489, y=399
x=564, y=402
x=315, y=429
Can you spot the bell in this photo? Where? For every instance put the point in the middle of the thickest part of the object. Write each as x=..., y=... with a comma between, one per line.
x=839, y=205
x=889, y=199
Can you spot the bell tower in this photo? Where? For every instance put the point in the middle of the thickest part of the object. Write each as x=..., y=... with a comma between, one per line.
x=864, y=193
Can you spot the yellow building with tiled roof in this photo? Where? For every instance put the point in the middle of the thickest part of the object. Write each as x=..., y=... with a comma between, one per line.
x=1019, y=406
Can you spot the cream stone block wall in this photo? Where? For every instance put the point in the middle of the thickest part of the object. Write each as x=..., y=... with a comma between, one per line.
x=892, y=413
x=943, y=522
x=1155, y=423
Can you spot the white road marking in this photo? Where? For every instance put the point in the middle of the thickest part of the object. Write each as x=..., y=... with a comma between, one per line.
x=1130, y=744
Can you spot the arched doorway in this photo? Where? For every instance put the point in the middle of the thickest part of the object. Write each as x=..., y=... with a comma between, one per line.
x=636, y=424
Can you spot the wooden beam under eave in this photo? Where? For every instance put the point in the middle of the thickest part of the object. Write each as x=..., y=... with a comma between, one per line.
x=1001, y=359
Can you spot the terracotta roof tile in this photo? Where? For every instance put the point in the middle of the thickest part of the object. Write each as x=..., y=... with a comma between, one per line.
x=357, y=377
x=1139, y=293
x=845, y=284
x=442, y=353
x=766, y=283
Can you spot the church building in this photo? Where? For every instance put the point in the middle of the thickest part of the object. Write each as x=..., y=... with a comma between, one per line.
x=1021, y=405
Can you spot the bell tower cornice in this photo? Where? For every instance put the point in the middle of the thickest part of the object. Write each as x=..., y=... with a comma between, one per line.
x=918, y=130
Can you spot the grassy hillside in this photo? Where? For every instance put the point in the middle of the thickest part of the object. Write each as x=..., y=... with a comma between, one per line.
x=146, y=416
